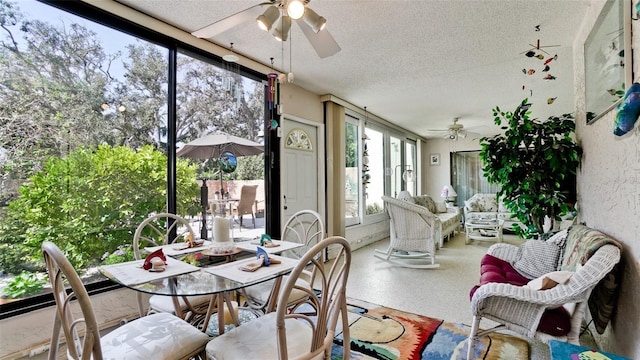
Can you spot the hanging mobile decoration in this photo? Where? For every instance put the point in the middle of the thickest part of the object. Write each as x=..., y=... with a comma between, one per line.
x=537, y=51
x=272, y=97
x=365, y=157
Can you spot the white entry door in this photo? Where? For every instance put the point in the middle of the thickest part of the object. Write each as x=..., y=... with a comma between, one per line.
x=300, y=168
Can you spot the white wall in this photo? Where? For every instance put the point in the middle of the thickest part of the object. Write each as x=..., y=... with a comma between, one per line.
x=609, y=196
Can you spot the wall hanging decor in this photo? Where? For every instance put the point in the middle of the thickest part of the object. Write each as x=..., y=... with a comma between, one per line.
x=607, y=50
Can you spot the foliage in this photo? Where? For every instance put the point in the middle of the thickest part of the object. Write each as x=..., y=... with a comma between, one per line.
x=91, y=202
x=23, y=285
x=374, y=208
x=122, y=254
x=61, y=89
x=351, y=143
x=531, y=161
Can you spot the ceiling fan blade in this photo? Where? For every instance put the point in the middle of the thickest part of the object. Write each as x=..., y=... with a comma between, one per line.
x=322, y=42
x=231, y=21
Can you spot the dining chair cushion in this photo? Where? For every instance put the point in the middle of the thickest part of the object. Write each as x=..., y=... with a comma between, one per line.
x=261, y=292
x=161, y=303
x=172, y=337
x=259, y=340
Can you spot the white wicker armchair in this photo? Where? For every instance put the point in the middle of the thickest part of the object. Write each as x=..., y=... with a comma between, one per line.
x=413, y=235
x=520, y=308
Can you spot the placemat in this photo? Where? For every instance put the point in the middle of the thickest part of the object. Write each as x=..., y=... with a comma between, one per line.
x=131, y=273
x=176, y=249
x=232, y=270
x=282, y=245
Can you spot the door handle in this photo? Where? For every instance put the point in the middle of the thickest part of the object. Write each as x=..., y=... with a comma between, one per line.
x=285, y=202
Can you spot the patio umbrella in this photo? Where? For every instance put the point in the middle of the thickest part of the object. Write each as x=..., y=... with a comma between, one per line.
x=214, y=145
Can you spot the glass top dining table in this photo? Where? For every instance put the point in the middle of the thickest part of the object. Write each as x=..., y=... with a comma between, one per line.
x=179, y=278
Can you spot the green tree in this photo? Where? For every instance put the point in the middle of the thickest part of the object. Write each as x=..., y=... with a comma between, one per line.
x=531, y=162
x=89, y=203
x=52, y=85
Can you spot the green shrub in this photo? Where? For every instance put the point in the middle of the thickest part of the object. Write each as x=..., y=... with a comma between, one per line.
x=23, y=285
x=90, y=203
x=122, y=254
x=374, y=208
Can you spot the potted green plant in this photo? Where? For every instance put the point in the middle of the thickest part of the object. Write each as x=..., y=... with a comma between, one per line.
x=531, y=162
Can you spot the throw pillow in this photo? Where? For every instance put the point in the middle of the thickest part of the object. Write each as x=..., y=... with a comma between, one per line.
x=426, y=201
x=550, y=280
x=471, y=205
x=441, y=207
x=406, y=196
x=535, y=258
x=560, y=239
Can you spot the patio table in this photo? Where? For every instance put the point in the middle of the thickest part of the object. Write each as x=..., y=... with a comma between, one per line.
x=182, y=279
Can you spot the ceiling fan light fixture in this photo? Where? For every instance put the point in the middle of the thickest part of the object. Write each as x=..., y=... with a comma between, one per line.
x=295, y=9
x=268, y=18
x=314, y=20
x=281, y=32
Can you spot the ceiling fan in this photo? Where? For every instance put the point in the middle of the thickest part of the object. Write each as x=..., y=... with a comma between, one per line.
x=276, y=16
x=454, y=131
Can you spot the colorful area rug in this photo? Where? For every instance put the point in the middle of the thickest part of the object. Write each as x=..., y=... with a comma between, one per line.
x=378, y=332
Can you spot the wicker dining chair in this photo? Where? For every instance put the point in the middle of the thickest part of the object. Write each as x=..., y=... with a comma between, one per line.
x=304, y=227
x=157, y=336
x=155, y=231
x=285, y=334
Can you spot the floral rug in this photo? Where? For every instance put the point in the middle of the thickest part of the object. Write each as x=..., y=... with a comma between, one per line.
x=378, y=332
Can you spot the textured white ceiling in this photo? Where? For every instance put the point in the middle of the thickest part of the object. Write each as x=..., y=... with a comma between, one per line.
x=415, y=63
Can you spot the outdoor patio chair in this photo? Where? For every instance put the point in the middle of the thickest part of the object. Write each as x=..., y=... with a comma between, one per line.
x=285, y=334
x=303, y=227
x=158, y=336
x=155, y=231
x=247, y=204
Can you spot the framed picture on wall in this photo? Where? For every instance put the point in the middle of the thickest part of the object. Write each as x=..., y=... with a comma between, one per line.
x=607, y=50
x=434, y=159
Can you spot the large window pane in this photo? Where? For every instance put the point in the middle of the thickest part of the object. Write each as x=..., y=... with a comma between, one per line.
x=375, y=187
x=217, y=99
x=395, y=164
x=352, y=174
x=84, y=128
x=82, y=139
x=411, y=174
x=468, y=177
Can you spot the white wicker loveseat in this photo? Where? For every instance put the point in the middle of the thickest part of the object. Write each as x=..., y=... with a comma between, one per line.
x=449, y=217
x=587, y=257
